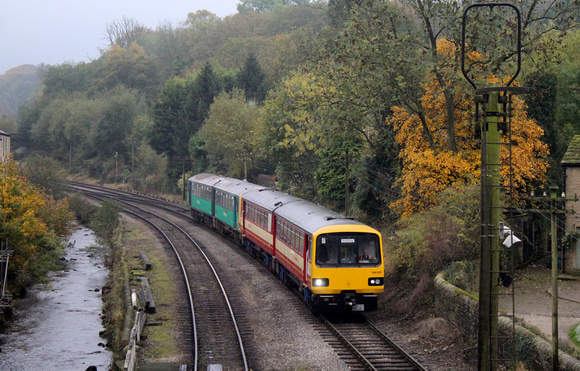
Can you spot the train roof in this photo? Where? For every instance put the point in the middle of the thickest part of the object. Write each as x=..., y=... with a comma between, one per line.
x=206, y=179
x=311, y=217
x=235, y=186
x=306, y=215
x=270, y=199
x=230, y=185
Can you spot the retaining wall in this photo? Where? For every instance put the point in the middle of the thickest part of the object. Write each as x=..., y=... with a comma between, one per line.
x=460, y=309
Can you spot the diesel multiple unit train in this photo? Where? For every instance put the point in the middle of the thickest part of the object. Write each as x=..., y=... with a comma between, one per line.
x=334, y=261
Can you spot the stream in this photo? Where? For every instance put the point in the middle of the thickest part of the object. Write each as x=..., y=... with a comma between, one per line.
x=56, y=327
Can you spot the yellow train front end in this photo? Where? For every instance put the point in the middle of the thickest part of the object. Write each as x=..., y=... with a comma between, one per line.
x=345, y=268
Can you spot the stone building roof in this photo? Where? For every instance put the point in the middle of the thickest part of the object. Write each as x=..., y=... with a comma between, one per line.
x=572, y=156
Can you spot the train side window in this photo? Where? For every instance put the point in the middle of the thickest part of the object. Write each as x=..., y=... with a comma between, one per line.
x=297, y=242
x=298, y=245
x=283, y=232
x=280, y=230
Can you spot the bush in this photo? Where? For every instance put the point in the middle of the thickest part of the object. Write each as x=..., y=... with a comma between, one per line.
x=428, y=241
x=465, y=275
x=47, y=174
x=82, y=208
x=104, y=222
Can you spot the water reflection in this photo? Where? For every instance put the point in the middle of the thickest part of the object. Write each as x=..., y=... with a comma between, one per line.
x=57, y=327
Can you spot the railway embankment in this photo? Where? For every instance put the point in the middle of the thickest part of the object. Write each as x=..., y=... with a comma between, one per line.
x=160, y=345
x=460, y=309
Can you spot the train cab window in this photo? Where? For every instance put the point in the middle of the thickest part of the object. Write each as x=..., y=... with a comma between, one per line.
x=327, y=251
x=355, y=249
x=369, y=251
x=348, y=254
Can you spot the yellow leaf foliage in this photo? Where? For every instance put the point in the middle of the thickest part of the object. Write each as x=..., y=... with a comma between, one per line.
x=428, y=170
x=19, y=206
x=305, y=114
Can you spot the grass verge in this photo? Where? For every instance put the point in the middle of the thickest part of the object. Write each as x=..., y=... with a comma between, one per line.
x=161, y=345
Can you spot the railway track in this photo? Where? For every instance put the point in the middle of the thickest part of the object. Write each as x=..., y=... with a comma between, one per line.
x=363, y=347
x=215, y=332
x=359, y=344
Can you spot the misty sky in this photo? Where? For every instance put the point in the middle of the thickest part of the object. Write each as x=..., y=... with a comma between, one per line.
x=58, y=31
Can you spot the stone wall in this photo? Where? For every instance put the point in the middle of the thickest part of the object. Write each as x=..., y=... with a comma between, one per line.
x=572, y=187
x=460, y=309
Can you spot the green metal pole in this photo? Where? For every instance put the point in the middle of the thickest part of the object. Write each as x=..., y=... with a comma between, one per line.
x=490, y=253
x=484, y=263
x=493, y=164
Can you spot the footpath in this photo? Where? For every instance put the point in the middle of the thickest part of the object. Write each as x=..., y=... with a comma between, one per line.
x=534, y=298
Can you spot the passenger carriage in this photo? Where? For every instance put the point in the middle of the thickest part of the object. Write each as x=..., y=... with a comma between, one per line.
x=216, y=200
x=227, y=203
x=258, y=222
x=200, y=196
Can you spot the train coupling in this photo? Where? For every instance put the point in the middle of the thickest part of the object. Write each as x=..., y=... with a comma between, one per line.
x=349, y=298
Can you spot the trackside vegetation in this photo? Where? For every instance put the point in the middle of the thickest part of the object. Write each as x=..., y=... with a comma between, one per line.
x=32, y=224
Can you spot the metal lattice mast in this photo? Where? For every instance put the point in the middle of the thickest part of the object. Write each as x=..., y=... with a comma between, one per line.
x=496, y=112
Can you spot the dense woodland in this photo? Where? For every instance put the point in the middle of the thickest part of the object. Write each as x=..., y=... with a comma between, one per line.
x=358, y=105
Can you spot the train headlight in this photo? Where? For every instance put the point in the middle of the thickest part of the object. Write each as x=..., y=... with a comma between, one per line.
x=376, y=281
x=320, y=282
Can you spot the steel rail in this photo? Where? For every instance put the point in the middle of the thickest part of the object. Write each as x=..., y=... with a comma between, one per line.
x=368, y=364
x=349, y=345
x=224, y=293
x=410, y=358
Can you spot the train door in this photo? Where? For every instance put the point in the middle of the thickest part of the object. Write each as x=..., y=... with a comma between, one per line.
x=243, y=217
x=274, y=231
x=308, y=270
x=235, y=211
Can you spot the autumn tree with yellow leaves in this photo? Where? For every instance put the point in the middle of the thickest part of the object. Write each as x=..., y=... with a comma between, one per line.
x=430, y=165
x=31, y=225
